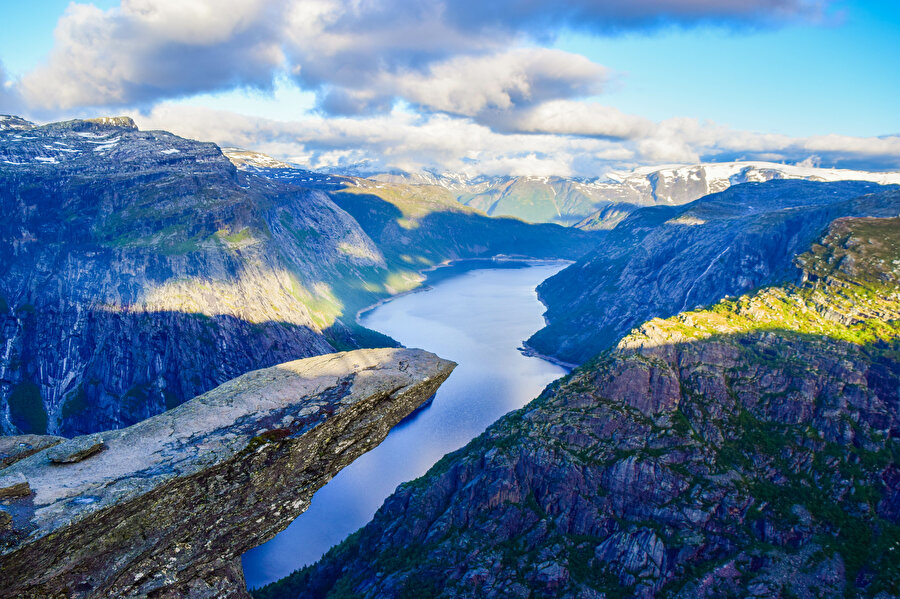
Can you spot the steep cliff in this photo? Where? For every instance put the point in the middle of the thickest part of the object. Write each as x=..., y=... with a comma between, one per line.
x=139, y=269
x=746, y=450
x=666, y=259
x=166, y=507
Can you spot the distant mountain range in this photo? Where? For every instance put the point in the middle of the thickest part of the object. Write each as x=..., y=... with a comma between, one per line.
x=598, y=203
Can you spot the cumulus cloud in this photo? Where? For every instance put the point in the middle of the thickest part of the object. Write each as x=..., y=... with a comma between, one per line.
x=476, y=86
x=396, y=140
x=151, y=49
x=569, y=117
x=359, y=56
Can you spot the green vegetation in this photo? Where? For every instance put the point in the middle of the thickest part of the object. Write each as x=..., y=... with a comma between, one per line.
x=235, y=238
x=75, y=404
x=26, y=408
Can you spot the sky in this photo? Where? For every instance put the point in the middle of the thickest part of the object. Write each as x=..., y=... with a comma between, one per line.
x=525, y=87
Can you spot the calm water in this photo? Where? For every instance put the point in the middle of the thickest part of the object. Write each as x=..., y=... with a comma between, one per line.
x=478, y=319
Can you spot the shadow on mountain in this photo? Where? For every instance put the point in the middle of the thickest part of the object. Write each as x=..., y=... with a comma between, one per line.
x=454, y=232
x=137, y=364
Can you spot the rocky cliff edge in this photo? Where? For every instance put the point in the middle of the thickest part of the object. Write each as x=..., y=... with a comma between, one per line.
x=166, y=507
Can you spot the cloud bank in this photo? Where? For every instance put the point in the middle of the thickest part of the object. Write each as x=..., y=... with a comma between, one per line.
x=448, y=85
x=410, y=141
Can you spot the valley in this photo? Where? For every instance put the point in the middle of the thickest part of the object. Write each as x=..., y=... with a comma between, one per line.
x=731, y=427
x=477, y=318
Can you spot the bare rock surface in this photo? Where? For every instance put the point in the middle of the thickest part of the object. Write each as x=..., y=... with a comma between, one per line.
x=18, y=447
x=75, y=450
x=170, y=504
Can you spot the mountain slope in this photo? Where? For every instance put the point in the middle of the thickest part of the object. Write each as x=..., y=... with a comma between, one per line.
x=424, y=225
x=745, y=450
x=140, y=269
x=662, y=260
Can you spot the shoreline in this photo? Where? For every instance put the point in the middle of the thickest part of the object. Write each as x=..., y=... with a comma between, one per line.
x=527, y=350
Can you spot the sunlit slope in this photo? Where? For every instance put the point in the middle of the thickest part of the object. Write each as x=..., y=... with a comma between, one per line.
x=666, y=259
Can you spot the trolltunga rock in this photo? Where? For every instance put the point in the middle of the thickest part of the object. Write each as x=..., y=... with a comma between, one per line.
x=169, y=505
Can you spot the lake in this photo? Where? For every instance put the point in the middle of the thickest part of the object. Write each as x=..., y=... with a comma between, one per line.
x=478, y=318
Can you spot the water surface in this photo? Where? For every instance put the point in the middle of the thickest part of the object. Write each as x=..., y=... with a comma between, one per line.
x=479, y=319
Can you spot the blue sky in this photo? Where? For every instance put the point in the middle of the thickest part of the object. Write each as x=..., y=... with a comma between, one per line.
x=799, y=80
x=588, y=87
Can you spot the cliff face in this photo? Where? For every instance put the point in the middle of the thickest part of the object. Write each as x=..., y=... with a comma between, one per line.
x=139, y=269
x=664, y=260
x=747, y=450
x=166, y=507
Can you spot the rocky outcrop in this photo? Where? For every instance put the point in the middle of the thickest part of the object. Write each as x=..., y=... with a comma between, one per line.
x=166, y=507
x=746, y=450
x=663, y=260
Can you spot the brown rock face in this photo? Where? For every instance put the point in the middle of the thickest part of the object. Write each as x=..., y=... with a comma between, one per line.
x=170, y=504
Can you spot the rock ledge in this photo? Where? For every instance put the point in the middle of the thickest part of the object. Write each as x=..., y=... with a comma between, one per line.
x=171, y=503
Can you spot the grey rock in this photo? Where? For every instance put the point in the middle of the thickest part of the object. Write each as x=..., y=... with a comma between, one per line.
x=168, y=509
x=75, y=450
x=13, y=484
x=17, y=447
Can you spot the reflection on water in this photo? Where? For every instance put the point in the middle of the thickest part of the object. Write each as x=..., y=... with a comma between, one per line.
x=477, y=319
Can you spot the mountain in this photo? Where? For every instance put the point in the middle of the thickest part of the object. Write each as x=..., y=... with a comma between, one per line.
x=745, y=450
x=666, y=259
x=139, y=269
x=420, y=225
x=601, y=203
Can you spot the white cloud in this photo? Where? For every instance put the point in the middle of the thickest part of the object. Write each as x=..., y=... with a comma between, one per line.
x=571, y=117
x=151, y=49
x=358, y=55
x=410, y=141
